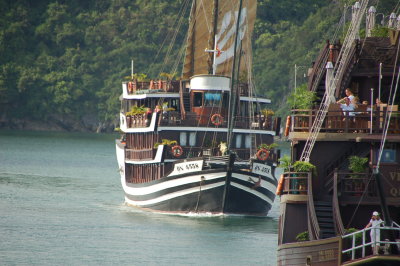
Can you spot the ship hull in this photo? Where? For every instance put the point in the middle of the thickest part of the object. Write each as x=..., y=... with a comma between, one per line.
x=210, y=191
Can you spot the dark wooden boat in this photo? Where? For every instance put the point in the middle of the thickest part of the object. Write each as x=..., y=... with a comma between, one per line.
x=201, y=144
x=326, y=203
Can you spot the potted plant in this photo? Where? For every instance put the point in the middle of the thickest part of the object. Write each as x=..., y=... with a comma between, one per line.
x=303, y=236
x=285, y=162
x=300, y=167
x=357, y=165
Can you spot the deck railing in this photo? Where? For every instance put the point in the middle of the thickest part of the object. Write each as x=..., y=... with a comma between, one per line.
x=295, y=183
x=356, y=185
x=138, y=155
x=335, y=206
x=346, y=122
x=153, y=86
x=361, y=246
x=173, y=118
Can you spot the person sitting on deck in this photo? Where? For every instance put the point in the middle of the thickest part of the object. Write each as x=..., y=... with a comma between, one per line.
x=349, y=95
x=349, y=106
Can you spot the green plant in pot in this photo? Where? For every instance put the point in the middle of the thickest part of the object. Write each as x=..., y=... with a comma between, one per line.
x=303, y=236
x=285, y=162
x=166, y=142
x=357, y=165
x=268, y=147
x=301, y=167
x=302, y=98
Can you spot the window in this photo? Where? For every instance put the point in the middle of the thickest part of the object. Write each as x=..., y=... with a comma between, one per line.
x=183, y=139
x=212, y=99
x=197, y=99
x=192, y=139
x=247, y=142
x=388, y=156
x=238, y=140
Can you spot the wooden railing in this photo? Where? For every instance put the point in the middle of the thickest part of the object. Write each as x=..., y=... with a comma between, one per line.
x=138, y=155
x=336, y=208
x=354, y=185
x=138, y=121
x=153, y=86
x=313, y=225
x=295, y=183
x=173, y=118
x=346, y=122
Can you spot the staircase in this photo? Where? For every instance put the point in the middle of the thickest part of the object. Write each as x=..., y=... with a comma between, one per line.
x=324, y=212
x=338, y=71
x=186, y=101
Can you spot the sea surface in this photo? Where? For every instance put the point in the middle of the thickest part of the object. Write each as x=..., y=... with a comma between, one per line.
x=61, y=203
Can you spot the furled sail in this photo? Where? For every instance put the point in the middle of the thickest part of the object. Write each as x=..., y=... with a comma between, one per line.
x=217, y=31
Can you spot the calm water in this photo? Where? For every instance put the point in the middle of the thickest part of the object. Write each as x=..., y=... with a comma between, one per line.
x=61, y=203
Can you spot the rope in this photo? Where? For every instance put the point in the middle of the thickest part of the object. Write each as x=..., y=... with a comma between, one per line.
x=359, y=201
x=391, y=102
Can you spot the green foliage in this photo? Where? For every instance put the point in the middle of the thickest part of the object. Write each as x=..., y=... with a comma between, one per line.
x=139, y=77
x=166, y=142
x=303, y=236
x=357, y=164
x=285, y=162
x=268, y=147
x=380, y=32
x=65, y=59
x=358, y=236
x=302, y=98
x=267, y=112
x=168, y=76
x=300, y=166
x=137, y=110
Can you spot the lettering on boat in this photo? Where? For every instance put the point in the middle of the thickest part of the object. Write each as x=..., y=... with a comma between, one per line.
x=187, y=167
x=324, y=255
x=395, y=188
x=262, y=169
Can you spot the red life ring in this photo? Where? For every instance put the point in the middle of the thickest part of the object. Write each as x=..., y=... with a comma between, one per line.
x=217, y=119
x=262, y=154
x=177, y=151
x=130, y=86
x=287, y=126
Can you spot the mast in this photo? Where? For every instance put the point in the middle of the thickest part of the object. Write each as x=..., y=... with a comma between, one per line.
x=232, y=95
x=212, y=42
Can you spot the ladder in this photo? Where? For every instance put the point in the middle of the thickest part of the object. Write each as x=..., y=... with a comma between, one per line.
x=332, y=82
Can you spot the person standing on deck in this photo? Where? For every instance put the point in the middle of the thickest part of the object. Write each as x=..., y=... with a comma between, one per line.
x=375, y=232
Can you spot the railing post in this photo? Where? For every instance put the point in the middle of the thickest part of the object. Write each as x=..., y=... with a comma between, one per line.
x=352, y=248
x=363, y=244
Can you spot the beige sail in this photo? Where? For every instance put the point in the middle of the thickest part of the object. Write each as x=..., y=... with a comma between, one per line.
x=201, y=36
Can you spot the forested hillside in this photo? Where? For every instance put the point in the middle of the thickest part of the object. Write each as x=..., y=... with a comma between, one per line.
x=62, y=61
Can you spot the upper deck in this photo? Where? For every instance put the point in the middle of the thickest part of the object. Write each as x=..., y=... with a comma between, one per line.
x=362, y=124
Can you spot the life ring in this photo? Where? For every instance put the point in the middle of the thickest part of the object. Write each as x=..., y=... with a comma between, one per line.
x=262, y=154
x=287, y=126
x=130, y=86
x=177, y=151
x=217, y=119
x=279, y=188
